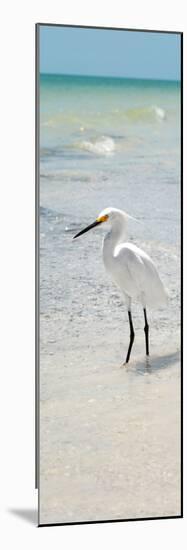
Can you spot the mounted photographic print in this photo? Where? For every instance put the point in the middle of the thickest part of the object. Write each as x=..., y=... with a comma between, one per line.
x=108, y=274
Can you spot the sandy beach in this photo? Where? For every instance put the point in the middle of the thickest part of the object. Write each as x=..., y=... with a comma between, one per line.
x=115, y=439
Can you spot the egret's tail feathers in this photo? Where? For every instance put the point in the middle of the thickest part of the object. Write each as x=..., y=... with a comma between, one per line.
x=161, y=298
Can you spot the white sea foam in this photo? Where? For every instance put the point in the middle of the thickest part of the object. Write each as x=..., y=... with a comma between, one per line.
x=102, y=146
x=159, y=112
x=149, y=113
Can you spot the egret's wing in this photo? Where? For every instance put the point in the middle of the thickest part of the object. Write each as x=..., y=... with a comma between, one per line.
x=131, y=269
x=138, y=275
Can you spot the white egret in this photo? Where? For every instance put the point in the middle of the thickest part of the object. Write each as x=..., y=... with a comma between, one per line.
x=131, y=269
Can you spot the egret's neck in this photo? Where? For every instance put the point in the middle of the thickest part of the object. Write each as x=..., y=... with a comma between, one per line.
x=115, y=236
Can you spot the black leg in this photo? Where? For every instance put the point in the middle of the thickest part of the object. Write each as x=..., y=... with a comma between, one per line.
x=132, y=335
x=146, y=330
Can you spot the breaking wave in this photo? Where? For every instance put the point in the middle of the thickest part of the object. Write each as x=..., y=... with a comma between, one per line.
x=146, y=113
x=82, y=123
x=102, y=146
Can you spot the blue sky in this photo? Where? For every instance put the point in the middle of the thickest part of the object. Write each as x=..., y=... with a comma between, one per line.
x=109, y=53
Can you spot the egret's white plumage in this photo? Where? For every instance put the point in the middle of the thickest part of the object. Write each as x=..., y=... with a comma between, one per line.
x=130, y=267
x=132, y=270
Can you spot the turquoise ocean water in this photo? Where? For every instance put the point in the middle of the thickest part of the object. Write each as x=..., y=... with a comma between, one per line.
x=104, y=142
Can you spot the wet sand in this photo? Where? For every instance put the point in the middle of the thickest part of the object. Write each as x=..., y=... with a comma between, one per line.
x=110, y=439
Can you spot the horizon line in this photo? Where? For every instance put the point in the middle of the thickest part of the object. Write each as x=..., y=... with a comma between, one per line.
x=110, y=76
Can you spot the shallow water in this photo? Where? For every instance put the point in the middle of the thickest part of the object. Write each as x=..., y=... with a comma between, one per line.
x=105, y=142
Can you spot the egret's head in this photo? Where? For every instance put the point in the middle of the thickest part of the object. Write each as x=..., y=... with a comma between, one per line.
x=113, y=215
